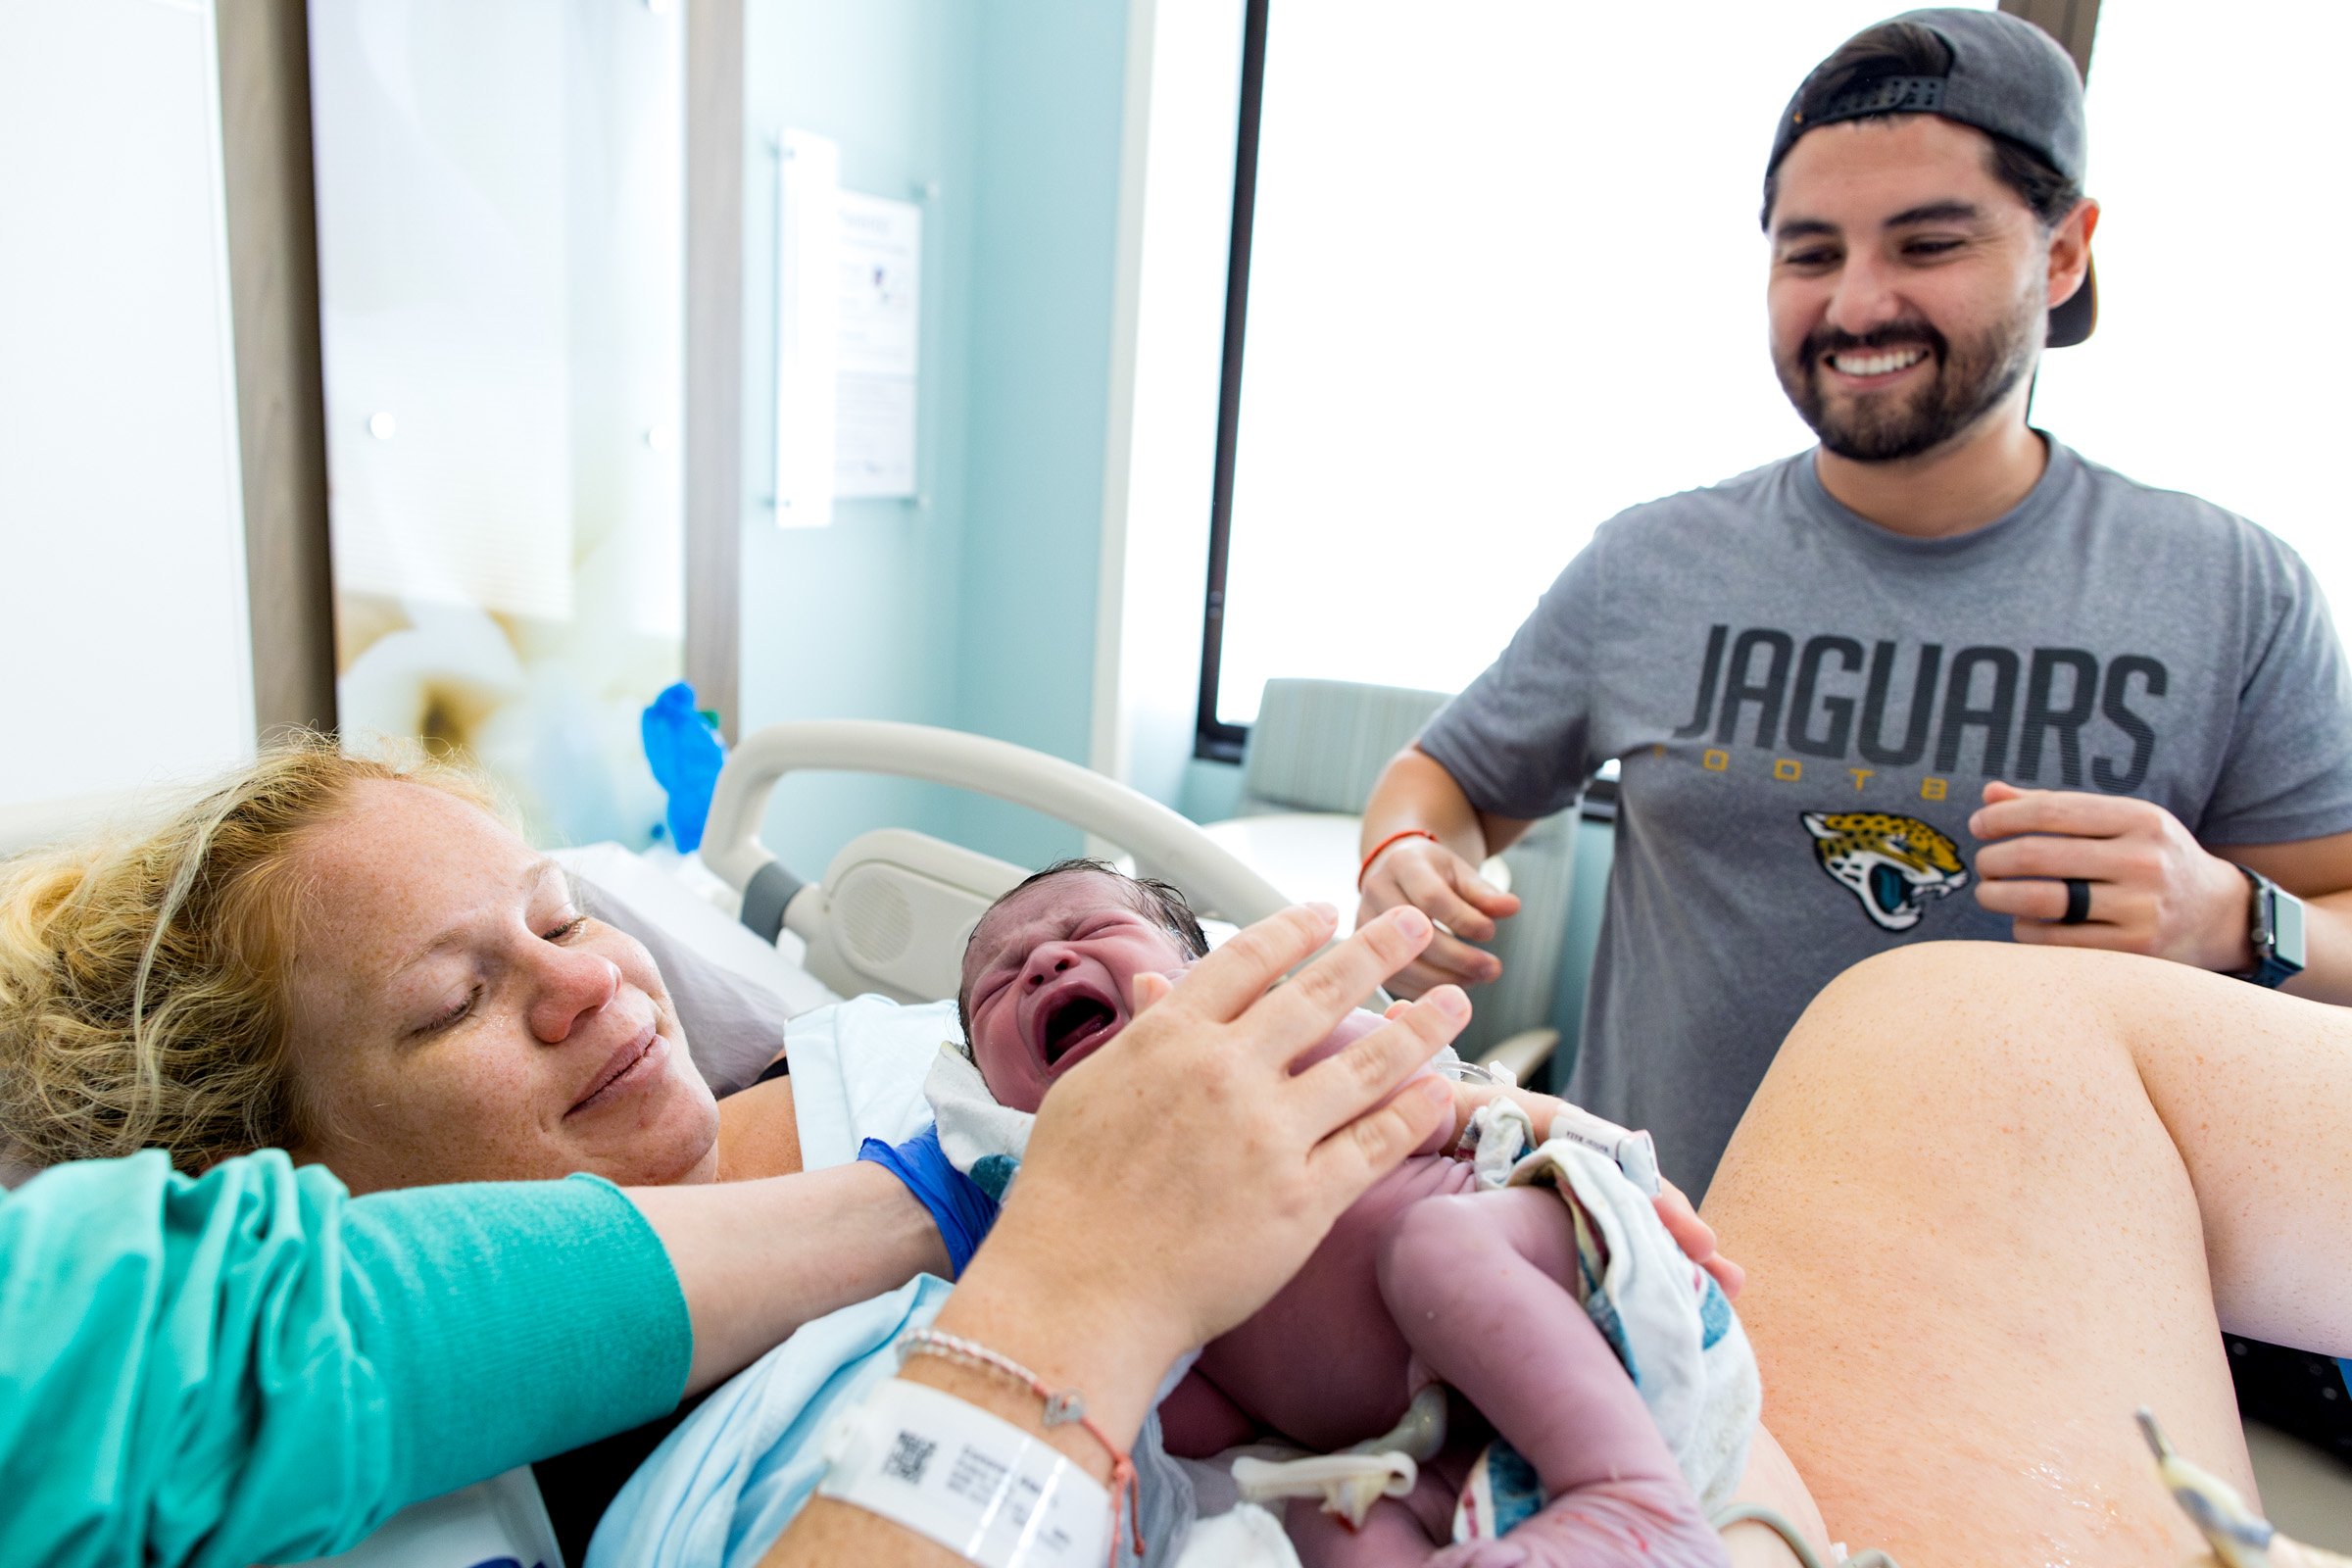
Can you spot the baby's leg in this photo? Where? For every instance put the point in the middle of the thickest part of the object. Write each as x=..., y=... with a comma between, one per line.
x=1480, y=1285
x=1198, y=1421
x=1989, y=1198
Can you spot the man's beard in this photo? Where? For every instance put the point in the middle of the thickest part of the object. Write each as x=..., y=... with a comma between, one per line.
x=1886, y=426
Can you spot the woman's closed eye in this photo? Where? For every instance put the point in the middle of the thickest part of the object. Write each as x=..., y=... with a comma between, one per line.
x=452, y=1015
x=448, y=1018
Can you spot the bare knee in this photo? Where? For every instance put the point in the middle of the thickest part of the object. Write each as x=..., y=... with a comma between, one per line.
x=1942, y=1052
x=1935, y=1007
x=1425, y=1241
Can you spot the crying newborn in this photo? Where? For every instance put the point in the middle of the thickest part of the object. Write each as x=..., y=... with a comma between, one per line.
x=1423, y=1283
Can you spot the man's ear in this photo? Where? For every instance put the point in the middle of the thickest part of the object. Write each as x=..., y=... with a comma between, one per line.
x=2070, y=251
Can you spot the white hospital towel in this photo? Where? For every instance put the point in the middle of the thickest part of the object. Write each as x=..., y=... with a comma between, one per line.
x=980, y=1138
x=1662, y=1314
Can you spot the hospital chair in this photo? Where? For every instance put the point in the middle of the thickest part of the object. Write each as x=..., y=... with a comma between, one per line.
x=1319, y=746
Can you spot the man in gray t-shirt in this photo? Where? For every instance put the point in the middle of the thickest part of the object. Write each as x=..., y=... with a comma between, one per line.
x=1940, y=677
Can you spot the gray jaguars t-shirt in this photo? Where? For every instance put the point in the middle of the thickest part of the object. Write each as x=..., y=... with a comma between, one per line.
x=1805, y=709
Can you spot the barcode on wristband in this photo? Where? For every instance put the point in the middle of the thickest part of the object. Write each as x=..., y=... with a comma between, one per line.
x=908, y=1458
x=975, y=1483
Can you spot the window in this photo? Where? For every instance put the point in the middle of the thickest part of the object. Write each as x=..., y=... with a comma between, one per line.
x=2218, y=367
x=1505, y=277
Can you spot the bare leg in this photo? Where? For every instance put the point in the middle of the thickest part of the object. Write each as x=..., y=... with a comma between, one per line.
x=1991, y=1198
x=1198, y=1421
x=1480, y=1284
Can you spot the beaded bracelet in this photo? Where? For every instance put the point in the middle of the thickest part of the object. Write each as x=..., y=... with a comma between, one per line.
x=1063, y=1407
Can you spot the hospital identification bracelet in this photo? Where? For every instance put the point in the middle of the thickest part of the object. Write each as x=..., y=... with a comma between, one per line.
x=1063, y=1407
x=978, y=1485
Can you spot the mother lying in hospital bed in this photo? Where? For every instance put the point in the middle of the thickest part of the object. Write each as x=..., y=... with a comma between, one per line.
x=1989, y=1198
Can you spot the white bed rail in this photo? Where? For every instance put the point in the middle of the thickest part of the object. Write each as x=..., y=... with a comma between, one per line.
x=1163, y=843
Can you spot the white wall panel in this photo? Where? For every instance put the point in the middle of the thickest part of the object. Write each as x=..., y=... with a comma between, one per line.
x=124, y=644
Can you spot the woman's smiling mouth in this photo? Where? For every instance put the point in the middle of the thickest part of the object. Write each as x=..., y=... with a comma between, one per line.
x=625, y=1070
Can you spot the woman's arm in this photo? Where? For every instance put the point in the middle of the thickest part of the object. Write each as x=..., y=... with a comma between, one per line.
x=757, y=1259
x=1190, y=1130
x=252, y=1366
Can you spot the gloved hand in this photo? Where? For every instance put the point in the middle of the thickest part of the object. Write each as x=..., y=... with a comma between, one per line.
x=961, y=1209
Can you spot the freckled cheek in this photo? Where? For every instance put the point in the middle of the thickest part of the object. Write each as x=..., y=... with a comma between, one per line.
x=483, y=1095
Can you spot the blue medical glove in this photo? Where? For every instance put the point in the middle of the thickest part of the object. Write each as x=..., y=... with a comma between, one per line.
x=683, y=749
x=958, y=1207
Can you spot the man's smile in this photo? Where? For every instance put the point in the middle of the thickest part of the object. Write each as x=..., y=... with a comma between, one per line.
x=1863, y=365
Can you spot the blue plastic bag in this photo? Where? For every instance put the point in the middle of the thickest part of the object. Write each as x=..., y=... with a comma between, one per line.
x=684, y=750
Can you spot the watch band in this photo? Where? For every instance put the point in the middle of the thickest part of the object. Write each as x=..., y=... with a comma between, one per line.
x=2278, y=933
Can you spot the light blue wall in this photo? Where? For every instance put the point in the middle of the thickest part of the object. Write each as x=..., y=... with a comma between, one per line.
x=1052, y=83
x=976, y=609
x=1211, y=791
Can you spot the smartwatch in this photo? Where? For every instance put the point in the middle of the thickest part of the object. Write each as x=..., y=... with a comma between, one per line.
x=2278, y=933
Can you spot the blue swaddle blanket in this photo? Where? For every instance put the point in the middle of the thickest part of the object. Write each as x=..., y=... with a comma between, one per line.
x=721, y=1488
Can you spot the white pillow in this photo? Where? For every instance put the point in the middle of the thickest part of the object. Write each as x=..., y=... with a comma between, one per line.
x=733, y=991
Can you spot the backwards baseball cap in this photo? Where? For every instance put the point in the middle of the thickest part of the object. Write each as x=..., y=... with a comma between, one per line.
x=2007, y=77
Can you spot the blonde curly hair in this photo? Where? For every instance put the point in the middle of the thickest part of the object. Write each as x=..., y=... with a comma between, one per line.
x=143, y=976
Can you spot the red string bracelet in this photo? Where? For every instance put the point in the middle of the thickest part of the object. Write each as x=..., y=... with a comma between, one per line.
x=1364, y=869
x=1063, y=1407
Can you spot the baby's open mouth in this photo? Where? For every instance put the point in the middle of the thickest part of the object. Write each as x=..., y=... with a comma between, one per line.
x=1073, y=1021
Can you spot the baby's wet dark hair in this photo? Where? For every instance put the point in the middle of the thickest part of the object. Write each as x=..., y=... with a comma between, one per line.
x=1164, y=904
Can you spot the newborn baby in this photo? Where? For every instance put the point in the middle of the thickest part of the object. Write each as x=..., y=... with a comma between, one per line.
x=1423, y=1281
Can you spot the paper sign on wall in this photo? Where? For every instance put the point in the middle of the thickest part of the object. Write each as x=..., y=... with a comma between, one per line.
x=848, y=324
x=880, y=313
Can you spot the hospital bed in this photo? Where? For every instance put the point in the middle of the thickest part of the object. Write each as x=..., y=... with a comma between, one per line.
x=892, y=911
x=754, y=953
x=759, y=952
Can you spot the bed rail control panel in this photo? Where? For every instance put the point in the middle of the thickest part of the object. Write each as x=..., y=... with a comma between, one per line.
x=893, y=912
x=765, y=896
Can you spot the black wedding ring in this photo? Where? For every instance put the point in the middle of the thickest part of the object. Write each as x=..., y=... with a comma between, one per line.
x=2077, y=902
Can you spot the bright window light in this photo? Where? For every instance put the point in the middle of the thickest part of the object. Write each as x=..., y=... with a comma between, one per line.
x=2218, y=367
x=1506, y=279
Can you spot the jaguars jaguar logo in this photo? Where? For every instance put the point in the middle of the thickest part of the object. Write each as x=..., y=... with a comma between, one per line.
x=1893, y=863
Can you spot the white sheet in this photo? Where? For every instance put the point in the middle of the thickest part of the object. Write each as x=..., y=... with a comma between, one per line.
x=858, y=1072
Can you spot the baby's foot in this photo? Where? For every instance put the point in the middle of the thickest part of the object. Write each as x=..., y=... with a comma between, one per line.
x=1605, y=1526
